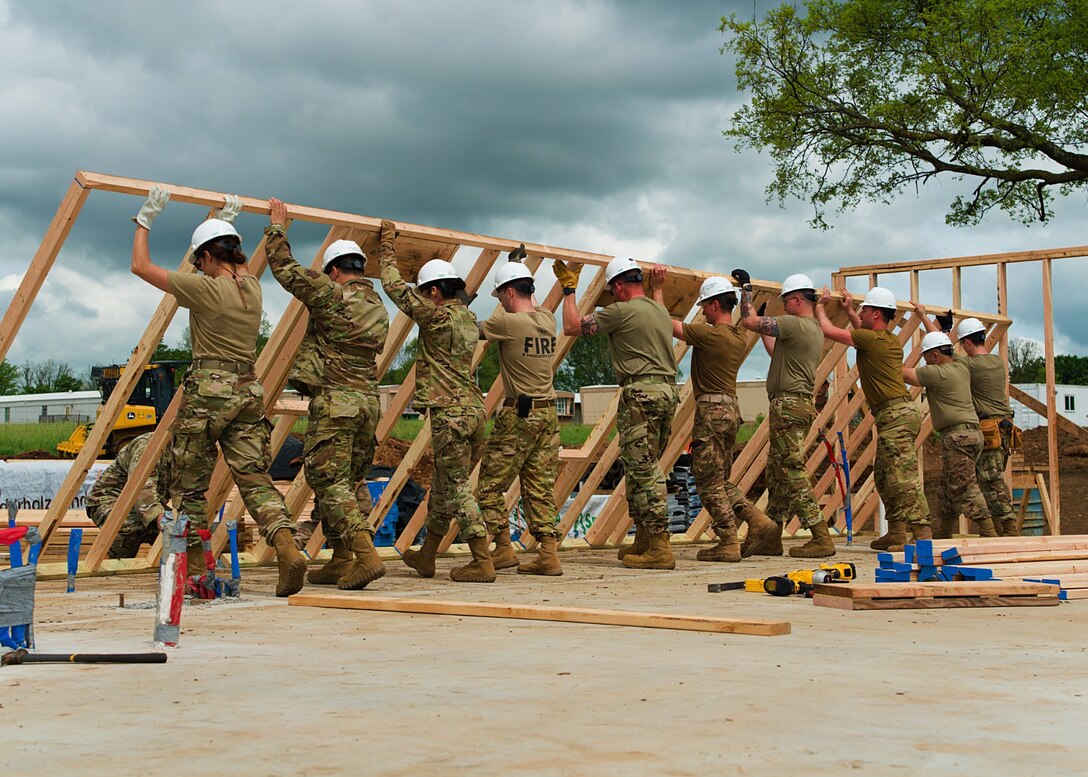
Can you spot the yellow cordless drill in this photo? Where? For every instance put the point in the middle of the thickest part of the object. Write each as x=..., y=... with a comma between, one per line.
x=799, y=581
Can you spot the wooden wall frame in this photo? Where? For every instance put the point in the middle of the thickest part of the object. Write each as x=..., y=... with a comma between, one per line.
x=416, y=244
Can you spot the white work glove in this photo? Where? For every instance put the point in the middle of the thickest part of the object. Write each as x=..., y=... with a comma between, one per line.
x=152, y=207
x=231, y=208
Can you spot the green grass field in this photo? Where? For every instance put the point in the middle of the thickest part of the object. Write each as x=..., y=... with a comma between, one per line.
x=18, y=438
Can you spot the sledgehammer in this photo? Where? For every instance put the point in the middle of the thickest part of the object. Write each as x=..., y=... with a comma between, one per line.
x=23, y=656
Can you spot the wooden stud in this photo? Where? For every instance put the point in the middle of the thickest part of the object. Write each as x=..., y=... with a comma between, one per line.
x=649, y=620
x=1051, y=398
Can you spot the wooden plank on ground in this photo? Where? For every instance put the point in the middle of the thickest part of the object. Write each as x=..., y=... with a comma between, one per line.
x=933, y=602
x=934, y=589
x=651, y=620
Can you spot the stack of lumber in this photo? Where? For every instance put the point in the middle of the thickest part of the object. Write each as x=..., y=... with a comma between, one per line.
x=1062, y=561
x=934, y=595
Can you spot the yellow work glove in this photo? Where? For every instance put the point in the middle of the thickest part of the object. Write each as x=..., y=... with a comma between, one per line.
x=567, y=274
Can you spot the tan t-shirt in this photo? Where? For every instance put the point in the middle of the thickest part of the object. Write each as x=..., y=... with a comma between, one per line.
x=880, y=365
x=220, y=326
x=988, y=384
x=797, y=352
x=526, y=348
x=719, y=351
x=639, y=338
x=948, y=391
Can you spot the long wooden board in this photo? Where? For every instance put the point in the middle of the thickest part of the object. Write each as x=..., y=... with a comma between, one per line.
x=933, y=602
x=649, y=620
x=934, y=589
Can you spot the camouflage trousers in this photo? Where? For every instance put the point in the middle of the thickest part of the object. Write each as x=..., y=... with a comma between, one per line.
x=228, y=409
x=133, y=532
x=990, y=472
x=644, y=423
x=895, y=470
x=712, y=439
x=527, y=449
x=339, y=450
x=960, y=493
x=789, y=486
x=457, y=438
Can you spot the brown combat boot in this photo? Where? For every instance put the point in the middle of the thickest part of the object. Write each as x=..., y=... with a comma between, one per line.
x=640, y=545
x=504, y=556
x=196, y=566
x=292, y=564
x=947, y=530
x=986, y=528
x=335, y=567
x=546, y=562
x=658, y=556
x=367, y=567
x=1008, y=527
x=422, y=560
x=727, y=549
x=896, y=536
x=820, y=546
x=918, y=531
x=480, y=570
x=764, y=537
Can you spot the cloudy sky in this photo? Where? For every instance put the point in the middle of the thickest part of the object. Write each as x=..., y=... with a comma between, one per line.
x=592, y=125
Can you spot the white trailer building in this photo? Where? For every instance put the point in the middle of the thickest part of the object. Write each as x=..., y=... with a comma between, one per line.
x=79, y=406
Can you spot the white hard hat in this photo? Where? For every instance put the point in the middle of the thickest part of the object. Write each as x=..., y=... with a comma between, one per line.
x=879, y=297
x=343, y=248
x=511, y=271
x=797, y=282
x=211, y=229
x=935, y=340
x=618, y=266
x=436, y=270
x=712, y=287
x=968, y=327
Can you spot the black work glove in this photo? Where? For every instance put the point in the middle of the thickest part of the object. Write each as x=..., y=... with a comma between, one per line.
x=518, y=253
x=944, y=320
x=743, y=278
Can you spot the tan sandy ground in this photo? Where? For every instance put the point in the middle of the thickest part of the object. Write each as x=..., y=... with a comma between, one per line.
x=261, y=688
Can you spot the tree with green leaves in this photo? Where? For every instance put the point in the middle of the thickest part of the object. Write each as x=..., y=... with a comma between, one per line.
x=587, y=364
x=48, y=376
x=862, y=99
x=1025, y=361
x=9, y=378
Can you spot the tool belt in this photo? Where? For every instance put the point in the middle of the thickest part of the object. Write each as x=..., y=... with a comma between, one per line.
x=959, y=428
x=890, y=403
x=991, y=433
x=792, y=395
x=535, y=403
x=242, y=368
x=648, y=379
x=715, y=399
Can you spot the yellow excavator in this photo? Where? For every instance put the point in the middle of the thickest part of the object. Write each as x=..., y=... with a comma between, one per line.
x=146, y=405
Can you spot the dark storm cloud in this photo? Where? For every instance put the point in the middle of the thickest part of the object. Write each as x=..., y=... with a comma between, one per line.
x=592, y=125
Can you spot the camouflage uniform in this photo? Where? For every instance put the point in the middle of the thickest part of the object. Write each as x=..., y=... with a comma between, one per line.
x=959, y=489
x=644, y=422
x=895, y=469
x=142, y=523
x=336, y=368
x=990, y=473
x=789, y=485
x=713, y=437
x=223, y=402
x=526, y=448
x=448, y=334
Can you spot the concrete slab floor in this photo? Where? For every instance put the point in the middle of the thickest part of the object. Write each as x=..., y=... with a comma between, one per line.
x=260, y=688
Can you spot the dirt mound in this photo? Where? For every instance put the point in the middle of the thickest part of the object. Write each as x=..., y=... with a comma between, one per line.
x=35, y=454
x=391, y=452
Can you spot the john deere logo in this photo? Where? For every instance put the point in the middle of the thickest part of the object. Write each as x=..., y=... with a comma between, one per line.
x=131, y=416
